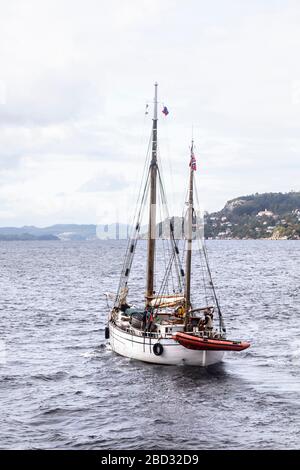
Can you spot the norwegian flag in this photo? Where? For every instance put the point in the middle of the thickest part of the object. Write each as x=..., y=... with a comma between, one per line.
x=165, y=111
x=193, y=163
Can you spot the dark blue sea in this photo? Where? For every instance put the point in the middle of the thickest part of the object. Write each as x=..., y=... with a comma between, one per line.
x=62, y=388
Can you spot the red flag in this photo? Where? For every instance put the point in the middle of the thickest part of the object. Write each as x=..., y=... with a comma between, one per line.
x=193, y=163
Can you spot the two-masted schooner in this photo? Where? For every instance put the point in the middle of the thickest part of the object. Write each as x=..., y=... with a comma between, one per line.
x=169, y=328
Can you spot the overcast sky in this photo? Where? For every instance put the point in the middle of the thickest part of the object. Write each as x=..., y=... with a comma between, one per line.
x=74, y=80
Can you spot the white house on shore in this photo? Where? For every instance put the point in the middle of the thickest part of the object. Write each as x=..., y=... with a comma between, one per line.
x=265, y=213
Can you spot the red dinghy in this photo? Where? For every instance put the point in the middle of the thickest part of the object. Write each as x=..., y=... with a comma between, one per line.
x=190, y=341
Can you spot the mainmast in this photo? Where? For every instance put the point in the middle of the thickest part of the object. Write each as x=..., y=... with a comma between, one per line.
x=189, y=233
x=152, y=207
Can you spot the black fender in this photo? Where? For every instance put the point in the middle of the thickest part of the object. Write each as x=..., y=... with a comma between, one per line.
x=158, y=349
x=106, y=332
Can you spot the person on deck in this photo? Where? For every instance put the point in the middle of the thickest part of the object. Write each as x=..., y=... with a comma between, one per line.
x=208, y=321
x=180, y=311
x=148, y=318
x=145, y=316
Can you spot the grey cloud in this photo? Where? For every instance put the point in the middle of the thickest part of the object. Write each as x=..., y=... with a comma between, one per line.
x=51, y=98
x=9, y=160
x=104, y=183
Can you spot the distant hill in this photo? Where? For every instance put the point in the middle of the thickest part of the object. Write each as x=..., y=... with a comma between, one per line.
x=279, y=203
x=268, y=215
x=65, y=232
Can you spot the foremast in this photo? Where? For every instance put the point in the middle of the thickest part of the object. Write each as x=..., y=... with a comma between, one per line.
x=152, y=207
x=189, y=226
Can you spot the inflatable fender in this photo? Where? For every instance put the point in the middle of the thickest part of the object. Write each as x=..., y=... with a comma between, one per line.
x=158, y=349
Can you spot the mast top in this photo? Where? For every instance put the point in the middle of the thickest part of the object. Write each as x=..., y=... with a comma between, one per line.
x=155, y=102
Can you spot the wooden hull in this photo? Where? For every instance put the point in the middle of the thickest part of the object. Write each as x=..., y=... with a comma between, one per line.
x=173, y=353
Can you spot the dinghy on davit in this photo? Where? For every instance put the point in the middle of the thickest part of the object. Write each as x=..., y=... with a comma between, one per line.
x=208, y=344
x=176, y=324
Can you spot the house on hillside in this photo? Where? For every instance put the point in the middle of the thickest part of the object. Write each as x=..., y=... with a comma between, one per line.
x=265, y=213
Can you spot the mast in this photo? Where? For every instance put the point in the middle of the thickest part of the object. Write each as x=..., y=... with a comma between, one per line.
x=189, y=235
x=152, y=207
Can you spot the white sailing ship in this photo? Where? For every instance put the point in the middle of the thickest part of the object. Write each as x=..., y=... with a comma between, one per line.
x=169, y=328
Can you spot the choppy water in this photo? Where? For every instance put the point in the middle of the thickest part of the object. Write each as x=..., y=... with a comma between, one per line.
x=61, y=388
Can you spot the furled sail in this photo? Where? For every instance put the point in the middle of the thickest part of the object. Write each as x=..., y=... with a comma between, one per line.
x=167, y=301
